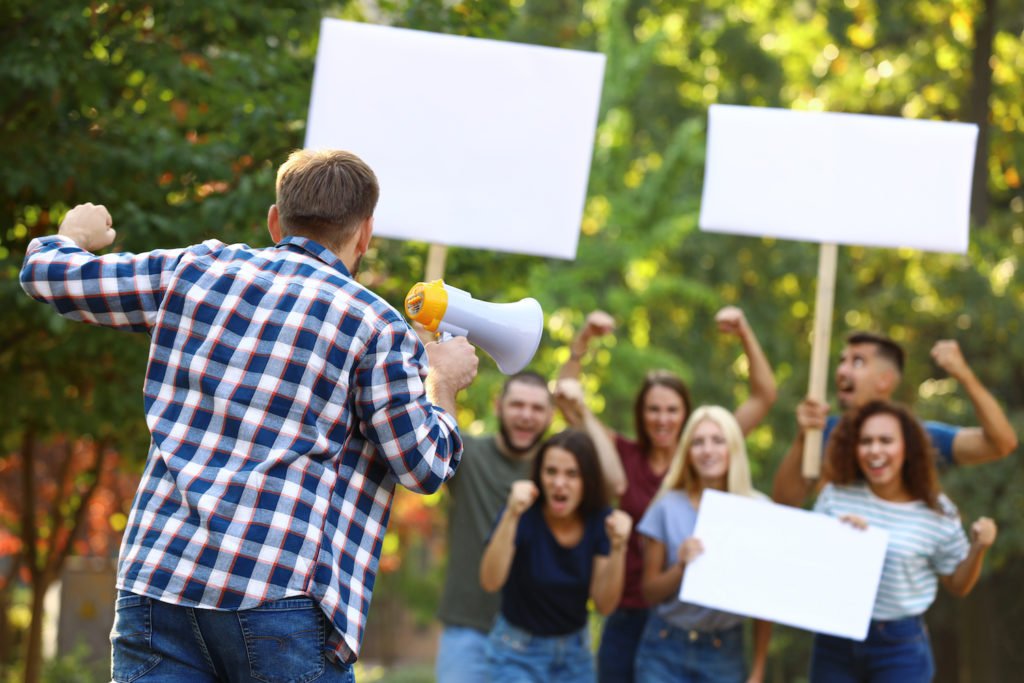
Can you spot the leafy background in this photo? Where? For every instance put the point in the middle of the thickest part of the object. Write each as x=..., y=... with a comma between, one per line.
x=176, y=114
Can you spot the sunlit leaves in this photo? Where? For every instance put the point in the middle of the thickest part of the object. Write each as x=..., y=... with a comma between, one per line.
x=157, y=113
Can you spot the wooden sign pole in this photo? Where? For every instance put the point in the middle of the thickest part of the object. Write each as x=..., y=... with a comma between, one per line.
x=436, y=257
x=820, y=344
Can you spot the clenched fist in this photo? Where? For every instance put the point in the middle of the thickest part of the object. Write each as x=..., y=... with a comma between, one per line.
x=983, y=532
x=569, y=390
x=947, y=355
x=521, y=496
x=89, y=225
x=618, y=524
x=730, y=320
x=598, y=324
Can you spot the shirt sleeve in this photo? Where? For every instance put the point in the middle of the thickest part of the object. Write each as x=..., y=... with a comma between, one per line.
x=496, y=522
x=652, y=524
x=830, y=424
x=121, y=290
x=418, y=440
x=942, y=436
x=951, y=550
x=825, y=504
x=602, y=544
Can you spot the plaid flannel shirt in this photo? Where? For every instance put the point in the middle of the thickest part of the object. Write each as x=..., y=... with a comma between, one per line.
x=284, y=401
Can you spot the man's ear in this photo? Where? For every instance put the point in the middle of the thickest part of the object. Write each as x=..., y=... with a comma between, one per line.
x=887, y=380
x=365, y=235
x=274, y=223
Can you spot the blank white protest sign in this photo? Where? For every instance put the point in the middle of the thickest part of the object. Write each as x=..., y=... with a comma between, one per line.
x=476, y=143
x=784, y=565
x=838, y=178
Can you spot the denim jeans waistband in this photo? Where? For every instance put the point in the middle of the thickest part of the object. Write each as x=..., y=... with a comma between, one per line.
x=715, y=638
x=503, y=625
x=919, y=619
x=896, y=626
x=633, y=610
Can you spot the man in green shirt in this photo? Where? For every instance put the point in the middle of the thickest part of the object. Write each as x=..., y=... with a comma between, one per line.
x=479, y=488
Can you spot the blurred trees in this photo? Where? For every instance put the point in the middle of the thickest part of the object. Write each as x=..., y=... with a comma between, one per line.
x=172, y=114
x=642, y=258
x=71, y=498
x=175, y=116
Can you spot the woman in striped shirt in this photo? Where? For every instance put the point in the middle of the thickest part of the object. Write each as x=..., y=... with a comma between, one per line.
x=882, y=474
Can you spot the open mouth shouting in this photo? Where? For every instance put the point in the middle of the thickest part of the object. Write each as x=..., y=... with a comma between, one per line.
x=560, y=503
x=845, y=390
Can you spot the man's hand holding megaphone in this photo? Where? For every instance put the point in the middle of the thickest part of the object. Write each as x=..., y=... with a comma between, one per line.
x=453, y=367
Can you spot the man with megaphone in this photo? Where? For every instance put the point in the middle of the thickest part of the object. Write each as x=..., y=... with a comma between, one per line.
x=285, y=402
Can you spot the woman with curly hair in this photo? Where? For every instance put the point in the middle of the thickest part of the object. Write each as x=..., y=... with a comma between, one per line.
x=881, y=472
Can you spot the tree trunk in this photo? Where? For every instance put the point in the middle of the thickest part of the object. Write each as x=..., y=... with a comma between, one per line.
x=6, y=632
x=977, y=105
x=34, y=645
x=45, y=566
x=34, y=641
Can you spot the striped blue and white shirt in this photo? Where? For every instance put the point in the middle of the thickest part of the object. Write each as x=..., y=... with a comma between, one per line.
x=285, y=402
x=923, y=545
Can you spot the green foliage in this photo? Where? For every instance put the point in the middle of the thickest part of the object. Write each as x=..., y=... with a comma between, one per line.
x=80, y=666
x=642, y=258
x=175, y=115
x=399, y=674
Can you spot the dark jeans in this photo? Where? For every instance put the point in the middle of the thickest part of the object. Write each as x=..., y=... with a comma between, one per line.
x=894, y=652
x=283, y=641
x=619, y=641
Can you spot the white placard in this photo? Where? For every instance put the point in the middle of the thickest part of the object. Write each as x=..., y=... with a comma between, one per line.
x=842, y=178
x=476, y=143
x=784, y=565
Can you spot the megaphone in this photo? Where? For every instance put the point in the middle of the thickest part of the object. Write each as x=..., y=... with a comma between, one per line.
x=509, y=333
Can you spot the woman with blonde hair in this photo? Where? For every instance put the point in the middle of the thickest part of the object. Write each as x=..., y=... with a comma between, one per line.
x=682, y=641
x=661, y=409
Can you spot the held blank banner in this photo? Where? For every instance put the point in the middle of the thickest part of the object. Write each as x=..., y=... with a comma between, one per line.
x=476, y=143
x=842, y=178
x=785, y=565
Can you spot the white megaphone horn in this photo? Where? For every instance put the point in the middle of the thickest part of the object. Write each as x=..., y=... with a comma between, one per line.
x=509, y=333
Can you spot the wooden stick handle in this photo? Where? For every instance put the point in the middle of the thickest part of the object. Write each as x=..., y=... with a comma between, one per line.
x=820, y=344
x=436, y=257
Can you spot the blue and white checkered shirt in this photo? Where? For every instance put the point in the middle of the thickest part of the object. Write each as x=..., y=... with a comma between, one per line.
x=284, y=400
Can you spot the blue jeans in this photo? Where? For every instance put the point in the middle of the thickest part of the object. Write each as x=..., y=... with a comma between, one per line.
x=518, y=656
x=668, y=653
x=894, y=652
x=284, y=641
x=462, y=656
x=619, y=640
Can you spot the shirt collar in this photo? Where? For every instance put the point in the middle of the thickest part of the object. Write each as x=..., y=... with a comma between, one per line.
x=315, y=249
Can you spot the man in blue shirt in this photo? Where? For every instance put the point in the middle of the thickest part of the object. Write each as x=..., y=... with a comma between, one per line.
x=870, y=368
x=285, y=403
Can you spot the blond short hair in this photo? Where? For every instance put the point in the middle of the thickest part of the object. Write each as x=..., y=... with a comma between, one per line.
x=325, y=195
